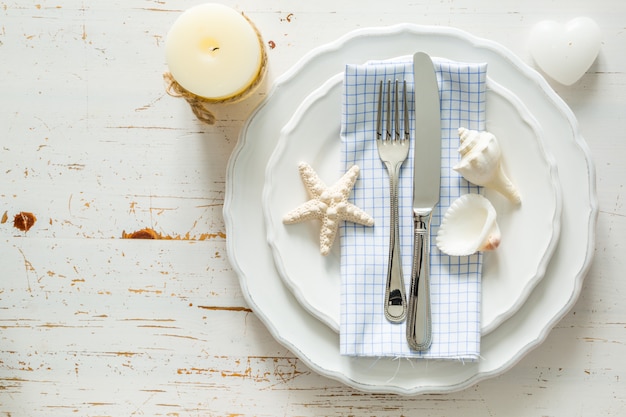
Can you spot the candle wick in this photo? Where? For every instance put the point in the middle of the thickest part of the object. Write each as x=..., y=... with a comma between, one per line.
x=210, y=46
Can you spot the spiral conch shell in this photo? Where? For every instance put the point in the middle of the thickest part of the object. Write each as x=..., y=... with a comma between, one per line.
x=481, y=163
x=468, y=226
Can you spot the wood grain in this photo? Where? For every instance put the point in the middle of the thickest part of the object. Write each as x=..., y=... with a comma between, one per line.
x=96, y=325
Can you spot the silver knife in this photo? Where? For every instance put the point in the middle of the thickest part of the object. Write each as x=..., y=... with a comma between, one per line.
x=426, y=181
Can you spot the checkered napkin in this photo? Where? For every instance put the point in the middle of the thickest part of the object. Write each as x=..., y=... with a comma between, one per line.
x=455, y=281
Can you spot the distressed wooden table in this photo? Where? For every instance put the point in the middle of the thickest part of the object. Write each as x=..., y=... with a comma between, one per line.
x=93, y=323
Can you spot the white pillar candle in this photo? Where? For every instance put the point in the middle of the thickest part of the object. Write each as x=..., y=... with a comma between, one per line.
x=214, y=52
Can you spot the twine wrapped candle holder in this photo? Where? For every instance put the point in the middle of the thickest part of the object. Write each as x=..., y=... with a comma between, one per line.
x=215, y=55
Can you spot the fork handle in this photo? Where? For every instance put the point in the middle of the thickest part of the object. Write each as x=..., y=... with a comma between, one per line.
x=395, y=298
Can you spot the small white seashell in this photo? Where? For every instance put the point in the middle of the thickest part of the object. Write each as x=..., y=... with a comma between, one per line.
x=468, y=226
x=481, y=163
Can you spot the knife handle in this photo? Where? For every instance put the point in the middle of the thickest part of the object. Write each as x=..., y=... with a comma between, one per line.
x=418, y=331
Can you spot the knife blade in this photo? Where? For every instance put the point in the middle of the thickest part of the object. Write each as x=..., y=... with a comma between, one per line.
x=426, y=182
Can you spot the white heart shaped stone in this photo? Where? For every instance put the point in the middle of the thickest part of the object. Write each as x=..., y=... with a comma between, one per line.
x=565, y=51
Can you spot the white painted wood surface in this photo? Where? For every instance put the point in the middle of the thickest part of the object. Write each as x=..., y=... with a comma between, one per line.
x=92, y=324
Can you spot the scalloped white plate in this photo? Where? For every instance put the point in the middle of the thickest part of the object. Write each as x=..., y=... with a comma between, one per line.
x=316, y=344
x=509, y=273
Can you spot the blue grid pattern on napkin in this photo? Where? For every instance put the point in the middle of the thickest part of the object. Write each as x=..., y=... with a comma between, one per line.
x=455, y=281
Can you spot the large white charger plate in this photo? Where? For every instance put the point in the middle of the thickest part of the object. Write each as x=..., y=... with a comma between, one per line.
x=316, y=344
x=509, y=273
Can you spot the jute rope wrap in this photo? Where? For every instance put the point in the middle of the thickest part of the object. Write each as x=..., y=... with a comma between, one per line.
x=199, y=104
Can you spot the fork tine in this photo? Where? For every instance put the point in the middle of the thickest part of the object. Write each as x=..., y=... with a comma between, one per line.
x=407, y=128
x=379, y=115
x=388, y=112
x=396, y=115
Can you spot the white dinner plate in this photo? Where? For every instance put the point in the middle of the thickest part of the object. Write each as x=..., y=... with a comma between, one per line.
x=316, y=344
x=509, y=273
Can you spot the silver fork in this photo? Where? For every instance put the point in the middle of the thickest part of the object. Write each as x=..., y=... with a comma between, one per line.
x=393, y=150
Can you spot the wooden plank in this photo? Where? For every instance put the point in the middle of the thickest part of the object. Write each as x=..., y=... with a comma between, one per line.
x=90, y=143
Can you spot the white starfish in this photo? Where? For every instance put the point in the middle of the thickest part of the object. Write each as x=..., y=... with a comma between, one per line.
x=329, y=204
